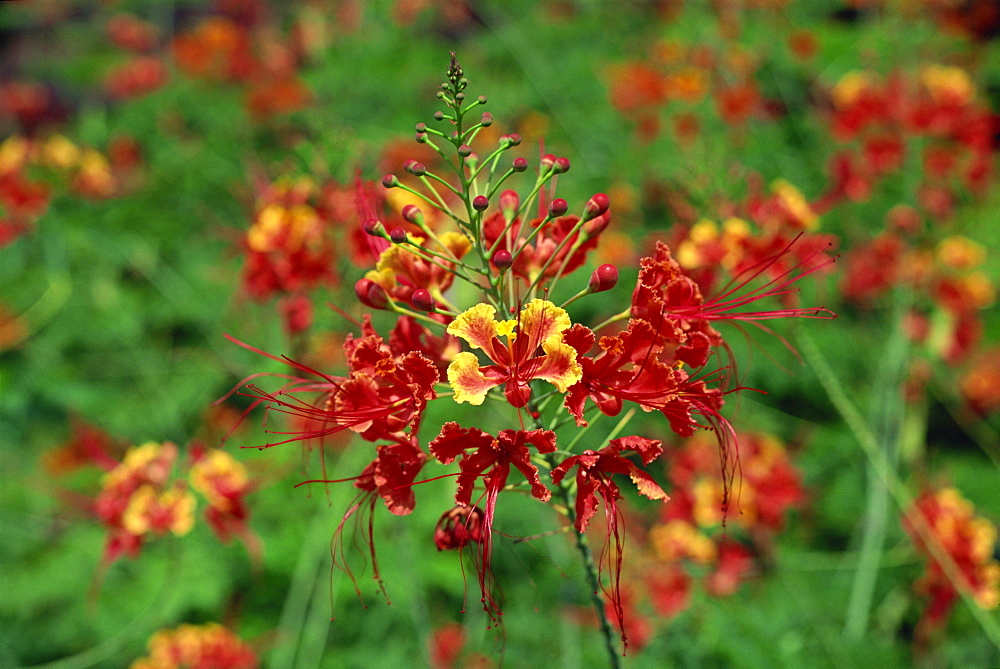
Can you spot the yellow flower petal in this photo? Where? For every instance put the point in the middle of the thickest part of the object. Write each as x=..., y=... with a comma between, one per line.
x=467, y=380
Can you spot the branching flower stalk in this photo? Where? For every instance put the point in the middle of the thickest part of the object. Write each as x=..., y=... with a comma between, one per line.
x=517, y=348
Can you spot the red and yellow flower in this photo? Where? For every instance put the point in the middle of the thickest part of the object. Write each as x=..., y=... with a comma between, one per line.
x=541, y=324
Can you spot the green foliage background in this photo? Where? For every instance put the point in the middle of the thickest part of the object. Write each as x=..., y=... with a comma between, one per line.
x=127, y=301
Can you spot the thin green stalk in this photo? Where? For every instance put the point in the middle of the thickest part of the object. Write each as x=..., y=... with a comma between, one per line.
x=593, y=581
x=887, y=419
x=307, y=577
x=142, y=625
x=869, y=444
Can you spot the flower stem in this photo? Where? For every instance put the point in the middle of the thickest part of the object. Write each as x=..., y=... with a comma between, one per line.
x=593, y=579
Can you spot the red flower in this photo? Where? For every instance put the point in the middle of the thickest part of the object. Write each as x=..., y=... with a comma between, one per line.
x=540, y=325
x=491, y=459
x=593, y=478
x=384, y=395
x=458, y=526
x=630, y=369
x=968, y=540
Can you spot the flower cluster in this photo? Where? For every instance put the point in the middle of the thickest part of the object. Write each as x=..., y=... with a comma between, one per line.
x=690, y=527
x=677, y=78
x=774, y=229
x=947, y=277
x=290, y=245
x=197, y=647
x=968, y=540
x=517, y=346
x=238, y=46
x=30, y=167
x=143, y=497
x=877, y=116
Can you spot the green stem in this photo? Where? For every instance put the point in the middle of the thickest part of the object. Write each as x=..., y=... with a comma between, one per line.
x=593, y=581
x=887, y=420
x=869, y=444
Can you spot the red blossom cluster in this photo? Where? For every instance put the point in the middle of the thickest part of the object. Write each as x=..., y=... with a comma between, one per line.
x=207, y=646
x=236, y=45
x=882, y=119
x=948, y=521
x=290, y=245
x=774, y=229
x=32, y=168
x=680, y=76
x=143, y=495
x=948, y=278
x=517, y=348
x=696, y=537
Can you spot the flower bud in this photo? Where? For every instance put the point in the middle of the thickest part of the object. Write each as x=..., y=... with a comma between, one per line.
x=420, y=138
x=509, y=203
x=439, y=115
x=548, y=160
x=486, y=120
x=408, y=164
x=370, y=294
x=520, y=165
x=596, y=205
x=482, y=99
x=561, y=166
x=464, y=150
x=412, y=214
x=418, y=169
x=459, y=96
x=513, y=139
x=422, y=300
x=480, y=203
x=458, y=527
x=421, y=127
x=557, y=207
x=390, y=181
x=604, y=278
x=373, y=227
x=503, y=260
x=397, y=235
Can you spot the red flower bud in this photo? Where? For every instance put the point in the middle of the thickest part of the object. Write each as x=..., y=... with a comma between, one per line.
x=604, y=278
x=486, y=120
x=480, y=203
x=557, y=207
x=421, y=127
x=465, y=150
x=439, y=115
x=415, y=168
x=509, y=202
x=371, y=294
x=502, y=260
x=561, y=166
x=390, y=181
x=422, y=300
x=596, y=205
x=412, y=214
x=373, y=227
x=458, y=527
x=408, y=164
x=520, y=165
x=514, y=139
x=548, y=160
x=397, y=235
